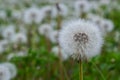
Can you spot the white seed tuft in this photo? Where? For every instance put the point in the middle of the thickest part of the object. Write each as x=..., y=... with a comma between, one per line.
x=80, y=39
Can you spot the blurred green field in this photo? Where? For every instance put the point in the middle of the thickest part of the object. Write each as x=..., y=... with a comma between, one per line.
x=31, y=52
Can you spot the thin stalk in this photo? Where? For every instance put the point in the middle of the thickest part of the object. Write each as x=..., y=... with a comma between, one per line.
x=49, y=71
x=81, y=70
x=59, y=21
x=29, y=35
x=60, y=66
x=48, y=44
x=67, y=78
x=99, y=71
x=49, y=17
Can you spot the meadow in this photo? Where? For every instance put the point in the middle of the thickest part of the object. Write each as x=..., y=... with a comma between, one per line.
x=29, y=45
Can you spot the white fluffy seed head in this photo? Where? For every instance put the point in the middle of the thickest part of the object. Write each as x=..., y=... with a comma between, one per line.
x=80, y=39
x=17, y=15
x=59, y=8
x=3, y=45
x=45, y=29
x=3, y=14
x=4, y=73
x=107, y=25
x=12, y=68
x=104, y=25
x=8, y=32
x=54, y=36
x=33, y=14
x=19, y=38
x=81, y=6
x=56, y=49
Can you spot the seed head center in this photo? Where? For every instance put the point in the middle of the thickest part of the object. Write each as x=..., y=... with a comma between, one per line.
x=81, y=38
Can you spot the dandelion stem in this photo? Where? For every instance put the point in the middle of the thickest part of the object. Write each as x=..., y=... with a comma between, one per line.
x=65, y=72
x=60, y=65
x=99, y=71
x=59, y=21
x=81, y=70
x=61, y=70
x=48, y=44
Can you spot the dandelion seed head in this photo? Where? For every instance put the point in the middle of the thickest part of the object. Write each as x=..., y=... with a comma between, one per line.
x=81, y=39
x=4, y=73
x=33, y=14
x=45, y=29
x=8, y=32
x=12, y=68
x=54, y=36
x=56, y=51
x=19, y=38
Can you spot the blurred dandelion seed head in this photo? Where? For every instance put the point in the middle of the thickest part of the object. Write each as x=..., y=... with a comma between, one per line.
x=4, y=73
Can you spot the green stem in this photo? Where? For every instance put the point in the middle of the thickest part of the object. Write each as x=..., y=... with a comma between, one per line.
x=81, y=70
x=65, y=72
x=59, y=21
x=99, y=71
x=60, y=66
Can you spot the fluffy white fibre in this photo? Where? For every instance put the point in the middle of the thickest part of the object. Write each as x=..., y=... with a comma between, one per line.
x=94, y=5
x=88, y=50
x=45, y=29
x=46, y=9
x=3, y=45
x=10, y=56
x=104, y=2
x=63, y=10
x=17, y=14
x=8, y=32
x=19, y=38
x=33, y=14
x=93, y=17
x=3, y=14
x=107, y=25
x=4, y=73
x=54, y=36
x=12, y=68
x=17, y=54
x=104, y=25
x=2, y=49
x=81, y=6
x=55, y=50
